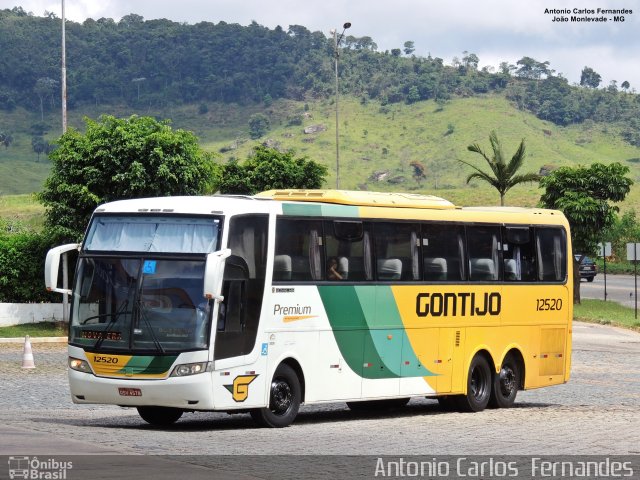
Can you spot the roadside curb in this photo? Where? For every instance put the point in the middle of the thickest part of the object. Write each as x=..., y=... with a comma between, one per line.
x=35, y=340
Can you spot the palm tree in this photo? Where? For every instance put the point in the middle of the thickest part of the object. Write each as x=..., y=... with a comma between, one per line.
x=503, y=175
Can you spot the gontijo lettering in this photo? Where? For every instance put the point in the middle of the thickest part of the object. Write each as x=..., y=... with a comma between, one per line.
x=454, y=304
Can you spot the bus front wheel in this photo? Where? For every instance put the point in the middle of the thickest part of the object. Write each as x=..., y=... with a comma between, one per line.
x=478, y=386
x=284, y=400
x=505, y=384
x=160, y=416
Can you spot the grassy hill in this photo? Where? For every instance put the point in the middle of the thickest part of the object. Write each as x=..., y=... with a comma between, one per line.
x=373, y=139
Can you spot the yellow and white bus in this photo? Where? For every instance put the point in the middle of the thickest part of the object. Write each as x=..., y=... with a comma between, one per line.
x=260, y=304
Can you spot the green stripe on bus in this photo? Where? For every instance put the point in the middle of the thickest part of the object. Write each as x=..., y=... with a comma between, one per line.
x=389, y=322
x=324, y=210
x=369, y=331
x=147, y=364
x=351, y=331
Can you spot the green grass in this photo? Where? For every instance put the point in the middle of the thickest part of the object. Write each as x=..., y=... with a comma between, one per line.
x=619, y=267
x=44, y=329
x=22, y=208
x=606, y=313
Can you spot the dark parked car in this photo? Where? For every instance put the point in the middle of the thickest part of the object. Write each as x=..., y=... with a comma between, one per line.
x=588, y=268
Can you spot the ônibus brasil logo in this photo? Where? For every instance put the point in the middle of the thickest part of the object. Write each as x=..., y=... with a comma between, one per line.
x=33, y=468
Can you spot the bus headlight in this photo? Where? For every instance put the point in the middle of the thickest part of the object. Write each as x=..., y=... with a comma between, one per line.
x=190, y=369
x=79, y=365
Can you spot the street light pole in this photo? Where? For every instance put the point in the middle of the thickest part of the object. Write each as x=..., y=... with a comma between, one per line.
x=336, y=41
x=65, y=257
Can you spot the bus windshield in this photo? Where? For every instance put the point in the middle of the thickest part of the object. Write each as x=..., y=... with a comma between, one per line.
x=139, y=284
x=140, y=304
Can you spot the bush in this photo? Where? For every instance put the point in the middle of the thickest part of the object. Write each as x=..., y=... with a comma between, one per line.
x=22, y=258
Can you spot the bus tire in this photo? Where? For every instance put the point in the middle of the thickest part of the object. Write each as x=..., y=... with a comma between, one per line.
x=284, y=400
x=372, y=405
x=505, y=384
x=160, y=416
x=478, y=386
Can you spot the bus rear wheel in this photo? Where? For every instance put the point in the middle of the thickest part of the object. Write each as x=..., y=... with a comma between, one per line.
x=478, y=386
x=505, y=384
x=284, y=400
x=160, y=416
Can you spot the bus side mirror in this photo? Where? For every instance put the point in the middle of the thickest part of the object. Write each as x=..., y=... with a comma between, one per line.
x=52, y=266
x=213, y=272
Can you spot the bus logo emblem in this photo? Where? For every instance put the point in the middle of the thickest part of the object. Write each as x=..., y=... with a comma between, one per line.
x=240, y=387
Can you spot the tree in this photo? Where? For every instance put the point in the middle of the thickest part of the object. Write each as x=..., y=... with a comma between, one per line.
x=258, y=125
x=584, y=194
x=6, y=139
x=590, y=78
x=503, y=175
x=409, y=47
x=39, y=145
x=625, y=85
x=44, y=88
x=118, y=159
x=532, y=69
x=268, y=168
x=418, y=171
x=470, y=61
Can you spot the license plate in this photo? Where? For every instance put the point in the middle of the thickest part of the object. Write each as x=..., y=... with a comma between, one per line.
x=130, y=392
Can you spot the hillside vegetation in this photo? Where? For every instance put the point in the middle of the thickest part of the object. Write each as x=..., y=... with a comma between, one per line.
x=395, y=108
x=377, y=139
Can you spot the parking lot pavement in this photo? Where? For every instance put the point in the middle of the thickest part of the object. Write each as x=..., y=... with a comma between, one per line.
x=595, y=413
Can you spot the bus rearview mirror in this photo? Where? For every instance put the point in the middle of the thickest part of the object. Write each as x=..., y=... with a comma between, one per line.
x=213, y=272
x=52, y=267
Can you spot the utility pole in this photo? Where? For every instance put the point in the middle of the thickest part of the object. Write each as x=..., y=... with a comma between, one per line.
x=65, y=257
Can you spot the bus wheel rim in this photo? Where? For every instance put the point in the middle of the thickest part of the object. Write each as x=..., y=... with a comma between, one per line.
x=478, y=384
x=507, y=380
x=281, y=396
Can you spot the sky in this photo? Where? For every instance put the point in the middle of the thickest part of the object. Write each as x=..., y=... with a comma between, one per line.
x=495, y=30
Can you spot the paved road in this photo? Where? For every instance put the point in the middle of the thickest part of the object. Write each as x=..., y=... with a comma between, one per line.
x=595, y=413
x=620, y=288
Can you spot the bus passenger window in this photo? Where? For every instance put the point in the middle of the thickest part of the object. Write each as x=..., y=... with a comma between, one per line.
x=443, y=252
x=348, y=244
x=483, y=246
x=518, y=254
x=397, y=254
x=298, y=255
x=551, y=249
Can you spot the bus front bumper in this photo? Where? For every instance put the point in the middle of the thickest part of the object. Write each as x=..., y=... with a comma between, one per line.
x=193, y=392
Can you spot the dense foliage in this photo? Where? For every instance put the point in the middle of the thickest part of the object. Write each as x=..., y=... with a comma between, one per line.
x=161, y=62
x=22, y=258
x=117, y=159
x=584, y=194
x=268, y=169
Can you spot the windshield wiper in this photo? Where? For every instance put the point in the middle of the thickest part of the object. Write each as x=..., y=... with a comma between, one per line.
x=143, y=315
x=114, y=319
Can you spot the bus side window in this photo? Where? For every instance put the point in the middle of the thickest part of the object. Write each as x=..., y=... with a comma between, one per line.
x=443, y=252
x=551, y=249
x=298, y=253
x=518, y=252
x=483, y=247
x=348, y=244
x=396, y=248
